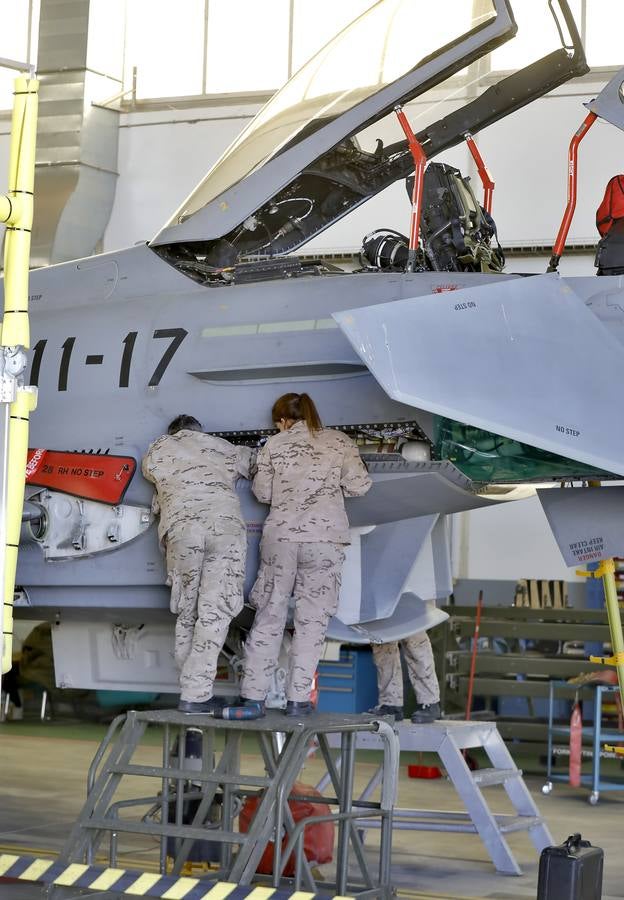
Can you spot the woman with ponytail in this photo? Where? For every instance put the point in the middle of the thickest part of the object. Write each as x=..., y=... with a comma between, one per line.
x=304, y=473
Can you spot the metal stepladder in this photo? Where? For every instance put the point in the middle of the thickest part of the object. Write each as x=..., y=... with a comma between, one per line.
x=161, y=811
x=448, y=739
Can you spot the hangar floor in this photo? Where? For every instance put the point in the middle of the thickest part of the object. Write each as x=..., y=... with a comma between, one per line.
x=43, y=781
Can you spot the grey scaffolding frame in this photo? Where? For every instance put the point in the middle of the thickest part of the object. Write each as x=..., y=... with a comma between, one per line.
x=449, y=739
x=284, y=745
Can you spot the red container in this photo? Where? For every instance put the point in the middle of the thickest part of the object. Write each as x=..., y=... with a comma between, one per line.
x=318, y=840
x=424, y=772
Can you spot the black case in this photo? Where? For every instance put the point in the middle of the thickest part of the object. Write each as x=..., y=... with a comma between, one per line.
x=610, y=251
x=572, y=871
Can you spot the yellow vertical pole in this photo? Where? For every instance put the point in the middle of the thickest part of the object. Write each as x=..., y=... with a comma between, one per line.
x=615, y=622
x=25, y=402
x=606, y=571
x=15, y=330
x=16, y=210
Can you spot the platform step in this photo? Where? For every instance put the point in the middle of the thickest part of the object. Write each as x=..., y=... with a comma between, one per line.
x=211, y=777
x=518, y=823
x=169, y=829
x=487, y=777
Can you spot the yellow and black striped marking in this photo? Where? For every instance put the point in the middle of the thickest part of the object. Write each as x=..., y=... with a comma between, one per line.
x=137, y=884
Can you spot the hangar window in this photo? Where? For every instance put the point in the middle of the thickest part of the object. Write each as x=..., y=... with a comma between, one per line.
x=339, y=77
x=19, y=29
x=251, y=47
x=315, y=24
x=209, y=47
x=537, y=35
x=164, y=50
x=238, y=47
x=223, y=47
x=600, y=24
x=240, y=62
x=604, y=21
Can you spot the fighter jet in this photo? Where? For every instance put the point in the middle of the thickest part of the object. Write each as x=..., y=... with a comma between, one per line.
x=451, y=375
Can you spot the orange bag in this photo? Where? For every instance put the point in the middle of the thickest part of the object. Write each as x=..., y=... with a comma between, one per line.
x=318, y=840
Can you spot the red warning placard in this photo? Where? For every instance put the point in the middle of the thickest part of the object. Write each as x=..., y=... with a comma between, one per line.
x=92, y=476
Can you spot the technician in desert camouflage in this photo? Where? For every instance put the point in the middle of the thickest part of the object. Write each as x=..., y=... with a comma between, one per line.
x=203, y=532
x=304, y=473
x=422, y=675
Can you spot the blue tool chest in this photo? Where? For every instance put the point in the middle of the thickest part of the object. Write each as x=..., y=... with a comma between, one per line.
x=348, y=684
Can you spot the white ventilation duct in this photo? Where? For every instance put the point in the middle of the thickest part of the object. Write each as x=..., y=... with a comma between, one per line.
x=79, y=64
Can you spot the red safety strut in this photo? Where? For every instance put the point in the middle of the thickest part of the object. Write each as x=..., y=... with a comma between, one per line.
x=420, y=162
x=484, y=173
x=571, y=204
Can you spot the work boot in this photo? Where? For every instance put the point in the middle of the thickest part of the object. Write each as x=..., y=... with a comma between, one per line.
x=200, y=707
x=384, y=709
x=425, y=713
x=294, y=708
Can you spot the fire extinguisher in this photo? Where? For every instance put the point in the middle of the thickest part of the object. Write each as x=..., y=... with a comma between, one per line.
x=576, y=744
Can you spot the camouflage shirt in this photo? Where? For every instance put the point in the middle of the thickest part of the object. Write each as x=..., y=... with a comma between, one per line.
x=195, y=475
x=305, y=477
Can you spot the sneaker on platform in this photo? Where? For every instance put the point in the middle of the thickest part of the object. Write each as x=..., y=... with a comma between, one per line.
x=425, y=713
x=200, y=707
x=294, y=708
x=384, y=709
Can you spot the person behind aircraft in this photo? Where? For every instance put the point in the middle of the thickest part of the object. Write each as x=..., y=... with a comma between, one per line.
x=422, y=675
x=304, y=473
x=203, y=532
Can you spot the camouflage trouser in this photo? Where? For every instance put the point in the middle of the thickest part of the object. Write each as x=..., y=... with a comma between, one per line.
x=420, y=667
x=310, y=573
x=206, y=572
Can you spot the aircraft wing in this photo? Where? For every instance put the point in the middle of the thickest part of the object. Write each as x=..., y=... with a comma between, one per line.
x=524, y=358
x=416, y=489
x=608, y=104
x=587, y=522
x=411, y=616
x=388, y=570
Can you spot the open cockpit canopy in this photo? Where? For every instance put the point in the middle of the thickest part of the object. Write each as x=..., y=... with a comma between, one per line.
x=319, y=147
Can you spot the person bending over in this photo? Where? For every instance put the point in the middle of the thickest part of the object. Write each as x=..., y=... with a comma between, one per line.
x=304, y=473
x=203, y=533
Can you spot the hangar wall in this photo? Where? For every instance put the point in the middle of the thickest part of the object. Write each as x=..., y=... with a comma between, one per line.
x=510, y=542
